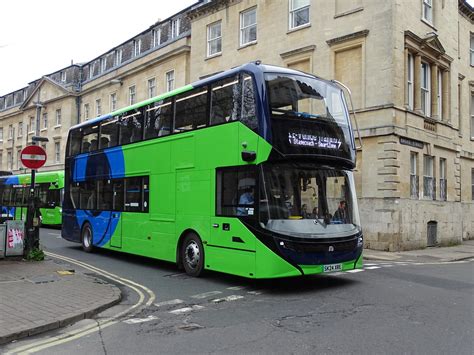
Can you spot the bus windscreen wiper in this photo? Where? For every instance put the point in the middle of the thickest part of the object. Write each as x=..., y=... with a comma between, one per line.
x=298, y=113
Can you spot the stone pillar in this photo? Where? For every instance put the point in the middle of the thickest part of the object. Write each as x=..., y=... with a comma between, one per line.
x=445, y=94
x=434, y=92
x=417, y=84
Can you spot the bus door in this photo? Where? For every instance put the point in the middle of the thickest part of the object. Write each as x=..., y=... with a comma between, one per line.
x=116, y=188
x=235, y=245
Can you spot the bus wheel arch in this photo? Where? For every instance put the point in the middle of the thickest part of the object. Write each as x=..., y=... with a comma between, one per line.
x=190, y=253
x=86, y=237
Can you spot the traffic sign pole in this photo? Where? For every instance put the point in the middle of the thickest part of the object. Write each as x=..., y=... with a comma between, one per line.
x=33, y=157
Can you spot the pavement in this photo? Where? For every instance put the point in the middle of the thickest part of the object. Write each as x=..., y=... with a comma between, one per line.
x=39, y=296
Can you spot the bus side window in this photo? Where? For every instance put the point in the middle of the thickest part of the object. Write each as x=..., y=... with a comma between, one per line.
x=158, y=119
x=75, y=142
x=131, y=127
x=90, y=139
x=105, y=195
x=224, y=101
x=133, y=194
x=6, y=196
x=88, y=195
x=191, y=110
x=249, y=115
x=109, y=133
x=19, y=196
x=75, y=189
x=236, y=191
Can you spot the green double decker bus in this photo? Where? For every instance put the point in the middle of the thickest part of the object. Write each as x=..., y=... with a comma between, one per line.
x=247, y=172
x=49, y=191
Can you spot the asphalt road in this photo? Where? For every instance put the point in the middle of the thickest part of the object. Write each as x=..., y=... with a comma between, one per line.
x=386, y=308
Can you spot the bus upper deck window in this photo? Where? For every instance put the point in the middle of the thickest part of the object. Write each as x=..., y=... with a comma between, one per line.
x=249, y=116
x=225, y=100
x=131, y=127
x=75, y=142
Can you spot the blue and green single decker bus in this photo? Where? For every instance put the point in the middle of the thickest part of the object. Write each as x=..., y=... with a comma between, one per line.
x=247, y=172
x=49, y=190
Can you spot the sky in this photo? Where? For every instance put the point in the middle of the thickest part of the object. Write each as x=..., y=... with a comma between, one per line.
x=39, y=37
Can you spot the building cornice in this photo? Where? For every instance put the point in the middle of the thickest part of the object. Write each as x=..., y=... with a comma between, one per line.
x=347, y=37
x=298, y=51
x=466, y=10
x=211, y=7
x=428, y=46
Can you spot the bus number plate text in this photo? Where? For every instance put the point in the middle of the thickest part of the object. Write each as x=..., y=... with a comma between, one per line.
x=332, y=268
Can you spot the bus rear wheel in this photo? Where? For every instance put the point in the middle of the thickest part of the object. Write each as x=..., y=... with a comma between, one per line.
x=86, y=238
x=192, y=255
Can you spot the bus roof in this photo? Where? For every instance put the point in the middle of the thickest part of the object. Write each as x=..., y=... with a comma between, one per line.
x=252, y=67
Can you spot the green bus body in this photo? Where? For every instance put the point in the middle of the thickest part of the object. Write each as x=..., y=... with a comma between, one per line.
x=178, y=196
x=49, y=189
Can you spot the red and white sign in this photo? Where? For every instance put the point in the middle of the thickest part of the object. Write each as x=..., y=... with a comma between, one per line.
x=33, y=157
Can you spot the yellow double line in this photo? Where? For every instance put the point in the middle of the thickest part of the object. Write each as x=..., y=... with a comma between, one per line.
x=146, y=297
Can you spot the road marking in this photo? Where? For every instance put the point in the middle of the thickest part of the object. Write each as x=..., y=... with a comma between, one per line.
x=169, y=303
x=355, y=270
x=236, y=288
x=256, y=292
x=195, y=307
x=55, y=234
x=100, y=324
x=372, y=267
x=140, y=320
x=367, y=264
x=206, y=294
x=228, y=298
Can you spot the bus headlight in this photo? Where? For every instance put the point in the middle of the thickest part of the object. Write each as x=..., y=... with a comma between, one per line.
x=360, y=242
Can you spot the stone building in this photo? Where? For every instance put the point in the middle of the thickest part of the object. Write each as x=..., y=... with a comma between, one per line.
x=408, y=63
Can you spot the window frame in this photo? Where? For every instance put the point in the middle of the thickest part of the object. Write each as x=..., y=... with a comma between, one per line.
x=293, y=11
x=132, y=94
x=168, y=80
x=443, y=183
x=113, y=101
x=57, y=152
x=429, y=168
x=414, y=177
x=427, y=9
x=247, y=27
x=58, y=117
x=218, y=38
x=425, y=91
x=151, y=88
x=98, y=107
x=410, y=80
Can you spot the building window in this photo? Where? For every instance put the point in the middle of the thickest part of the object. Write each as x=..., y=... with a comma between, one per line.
x=428, y=10
x=118, y=57
x=10, y=131
x=299, y=13
x=472, y=184
x=414, y=179
x=86, y=111
x=63, y=76
x=151, y=87
x=137, y=46
x=32, y=125
x=91, y=71
x=175, y=27
x=442, y=180
x=113, y=101
x=45, y=120
x=9, y=161
x=440, y=94
x=1, y=133
x=156, y=37
x=98, y=107
x=248, y=26
x=214, y=39
x=425, y=89
x=20, y=129
x=57, y=152
x=170, y=80
x=131, y=95
x=103, y=64
x=58, y=117
x=472, y=115
x=18, y=159
x=410, y=87
x=428, y=178
x=472, y=49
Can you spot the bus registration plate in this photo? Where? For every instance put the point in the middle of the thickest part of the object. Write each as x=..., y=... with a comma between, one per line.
x=332, y=268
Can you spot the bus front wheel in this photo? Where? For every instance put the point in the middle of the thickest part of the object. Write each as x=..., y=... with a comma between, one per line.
x=86, y=238
x=192, y=255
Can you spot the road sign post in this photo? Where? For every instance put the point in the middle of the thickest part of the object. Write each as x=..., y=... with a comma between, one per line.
x=33, y=157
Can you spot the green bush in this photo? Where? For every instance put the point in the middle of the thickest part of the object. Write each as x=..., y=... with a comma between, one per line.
x=35, y=254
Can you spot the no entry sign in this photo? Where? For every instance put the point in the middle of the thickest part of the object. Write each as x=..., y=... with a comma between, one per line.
x=33, y=157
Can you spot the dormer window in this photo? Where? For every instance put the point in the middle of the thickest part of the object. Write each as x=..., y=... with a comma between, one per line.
x=137, y=46
x=175, y=27
x=63, y=76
